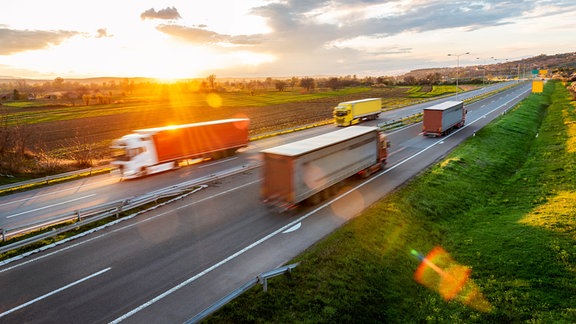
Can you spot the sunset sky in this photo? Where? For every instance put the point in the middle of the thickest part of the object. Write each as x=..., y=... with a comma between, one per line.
x=273, y=38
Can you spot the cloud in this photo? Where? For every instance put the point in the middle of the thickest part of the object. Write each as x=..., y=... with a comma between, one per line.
x=14, y=41
x=102, y=32
x=167, y=14
x=203, y=36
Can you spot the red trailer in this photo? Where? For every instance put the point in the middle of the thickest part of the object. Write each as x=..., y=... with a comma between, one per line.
x=153, y=150
x=442, y=118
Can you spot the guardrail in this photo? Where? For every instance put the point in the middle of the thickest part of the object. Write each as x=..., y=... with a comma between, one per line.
x=48, y=179
x=260, y=279
x=92, y=214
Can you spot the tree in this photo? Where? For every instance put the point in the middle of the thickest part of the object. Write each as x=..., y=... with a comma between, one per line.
x=212, y=81
x=333, y=83
x=410, y=80
x=308, y=83
x=280, y=85
x=58, y=83
x=294, y=81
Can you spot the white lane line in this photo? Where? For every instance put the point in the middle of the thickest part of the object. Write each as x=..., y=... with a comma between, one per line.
x=54, y=292
x=217, y=162
x=282, y=229
x=49, y=206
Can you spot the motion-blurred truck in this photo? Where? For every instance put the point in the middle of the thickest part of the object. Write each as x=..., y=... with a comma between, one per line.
x=310, y=169
x=153, y=150
x=352, y=112
x=441, y=119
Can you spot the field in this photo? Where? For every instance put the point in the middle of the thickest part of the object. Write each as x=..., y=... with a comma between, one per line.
x=62, y=136
x=496, y=216
x=53, y=127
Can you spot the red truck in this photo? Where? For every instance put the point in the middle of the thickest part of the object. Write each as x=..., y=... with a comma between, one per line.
x=309, y=169
x=154, y=150
x=442, y=118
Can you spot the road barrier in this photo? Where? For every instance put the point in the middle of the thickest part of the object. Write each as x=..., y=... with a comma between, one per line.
x=88, y=215
x=260, y=279
x=52, y=178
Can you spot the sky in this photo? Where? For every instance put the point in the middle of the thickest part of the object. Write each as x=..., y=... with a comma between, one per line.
x=45, y=39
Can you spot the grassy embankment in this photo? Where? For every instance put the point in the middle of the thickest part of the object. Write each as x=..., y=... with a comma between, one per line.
x=502, y=204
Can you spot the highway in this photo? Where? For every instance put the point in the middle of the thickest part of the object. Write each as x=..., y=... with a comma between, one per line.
x=35, y=205
x=170, y=263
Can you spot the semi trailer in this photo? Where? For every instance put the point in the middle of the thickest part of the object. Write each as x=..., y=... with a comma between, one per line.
x=352, y=112
x=308, y=170
x=440, y=119
x=153, y=150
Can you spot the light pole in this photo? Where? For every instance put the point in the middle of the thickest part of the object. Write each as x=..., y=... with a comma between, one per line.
x=458, y=70
x=483, y=71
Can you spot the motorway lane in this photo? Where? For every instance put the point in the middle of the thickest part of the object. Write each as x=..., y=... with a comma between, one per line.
x=145, y=256
x=27, y=207
x=279, y=247
x=131, y=266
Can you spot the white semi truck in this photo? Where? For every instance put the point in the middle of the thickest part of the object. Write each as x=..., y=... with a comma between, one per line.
x=154, y=150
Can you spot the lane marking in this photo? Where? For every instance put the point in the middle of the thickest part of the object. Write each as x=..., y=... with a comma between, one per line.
x=283, y=228
x=233, y=256
x=293, y=228
x=54, y=292
x=217, y=162
x=49, y=206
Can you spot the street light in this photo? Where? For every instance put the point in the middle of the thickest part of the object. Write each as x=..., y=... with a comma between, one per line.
x=483, y=71
x=458, y=70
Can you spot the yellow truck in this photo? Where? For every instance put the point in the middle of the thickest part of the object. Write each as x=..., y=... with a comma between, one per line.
x=352, y=112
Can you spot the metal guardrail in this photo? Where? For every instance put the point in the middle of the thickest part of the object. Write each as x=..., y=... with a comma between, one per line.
x=92, y=214
x=48, y=179
x=260, y=279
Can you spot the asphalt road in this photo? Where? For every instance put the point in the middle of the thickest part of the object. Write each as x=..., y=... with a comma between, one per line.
x=35, y=205
x=167, y=265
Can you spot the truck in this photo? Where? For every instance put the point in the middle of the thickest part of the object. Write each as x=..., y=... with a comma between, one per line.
x=309, y=170
x=349, y=113
x=153, y=150
x=440, y=119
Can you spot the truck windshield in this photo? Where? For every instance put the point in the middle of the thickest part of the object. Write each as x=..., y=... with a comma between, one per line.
x=341, y=113
x=122, y=154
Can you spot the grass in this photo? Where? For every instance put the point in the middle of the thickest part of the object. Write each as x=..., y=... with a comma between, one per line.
x=437, y=90
x=502, y=205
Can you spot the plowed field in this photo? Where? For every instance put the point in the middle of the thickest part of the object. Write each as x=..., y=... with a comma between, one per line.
x=100, y=131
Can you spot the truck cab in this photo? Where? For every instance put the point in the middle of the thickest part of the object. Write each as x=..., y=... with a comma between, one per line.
x=343, y=115
x=132, y=154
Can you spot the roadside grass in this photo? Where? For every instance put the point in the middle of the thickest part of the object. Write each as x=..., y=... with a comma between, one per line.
x=501, y=204
x=437, y=90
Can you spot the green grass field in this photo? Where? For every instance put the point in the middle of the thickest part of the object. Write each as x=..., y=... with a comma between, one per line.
x=437, y=90
x=502, y=205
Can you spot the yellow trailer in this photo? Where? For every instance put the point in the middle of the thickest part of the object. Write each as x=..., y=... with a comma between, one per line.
x=352, y=112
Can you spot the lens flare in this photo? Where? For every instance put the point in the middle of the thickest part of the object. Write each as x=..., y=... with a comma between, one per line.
x=439, y=272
